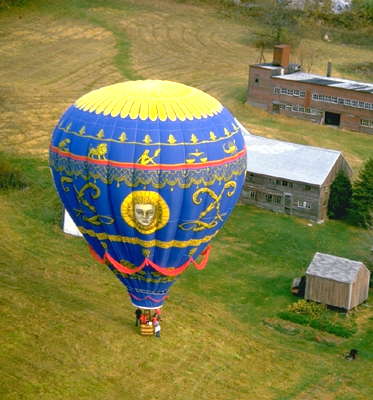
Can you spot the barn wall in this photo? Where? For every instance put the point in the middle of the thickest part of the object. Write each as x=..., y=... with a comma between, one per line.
x=327, y=291
x=282, y=195
x=360, y=288
x=339, y=165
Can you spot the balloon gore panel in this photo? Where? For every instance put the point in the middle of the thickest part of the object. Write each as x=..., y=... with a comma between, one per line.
x=149, y=171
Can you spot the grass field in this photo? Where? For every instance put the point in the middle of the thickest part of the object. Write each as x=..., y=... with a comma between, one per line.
x=67, y=327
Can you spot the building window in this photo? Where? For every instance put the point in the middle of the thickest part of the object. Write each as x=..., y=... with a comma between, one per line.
x=303, y=204
x=268, y=198
x=286, y=183
x=277, y=199
x=289, y=92
x=367, y=123
x=307, y=187
x=252, y=195
x=343, y=101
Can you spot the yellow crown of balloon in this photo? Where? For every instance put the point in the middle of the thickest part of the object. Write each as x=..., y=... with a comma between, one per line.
x=151, y=99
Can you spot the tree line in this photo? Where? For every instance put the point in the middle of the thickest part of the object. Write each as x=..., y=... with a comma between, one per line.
x=353, y=202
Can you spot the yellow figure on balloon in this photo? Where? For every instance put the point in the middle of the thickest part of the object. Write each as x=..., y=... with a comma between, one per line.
x=146, y=211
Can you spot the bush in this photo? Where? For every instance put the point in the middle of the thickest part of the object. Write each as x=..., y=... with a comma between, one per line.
x=309, y=308
x=10, y=176
x=318, y=316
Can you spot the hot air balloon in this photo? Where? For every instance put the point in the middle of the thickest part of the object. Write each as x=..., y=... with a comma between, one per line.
x=149, y=171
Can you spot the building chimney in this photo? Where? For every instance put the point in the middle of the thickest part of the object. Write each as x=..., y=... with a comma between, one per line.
x=281, y=55
x=329, y=69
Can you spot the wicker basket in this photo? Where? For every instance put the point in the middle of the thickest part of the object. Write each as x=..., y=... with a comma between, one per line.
x=146, y=330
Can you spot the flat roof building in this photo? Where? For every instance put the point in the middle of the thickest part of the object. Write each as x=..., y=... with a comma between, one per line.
x=281, y=87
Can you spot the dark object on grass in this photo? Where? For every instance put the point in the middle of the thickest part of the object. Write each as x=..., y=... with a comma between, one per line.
x=351, y=355
x=298, y=286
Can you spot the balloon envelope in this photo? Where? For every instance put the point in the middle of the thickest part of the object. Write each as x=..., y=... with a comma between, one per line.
x=149, y=171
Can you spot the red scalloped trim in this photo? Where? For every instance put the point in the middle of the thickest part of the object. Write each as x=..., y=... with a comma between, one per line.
x=148, y=298
x=162, y=270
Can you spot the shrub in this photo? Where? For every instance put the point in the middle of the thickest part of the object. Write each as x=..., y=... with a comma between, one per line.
x=318, y=316
x=309, y=308
x=10, y=176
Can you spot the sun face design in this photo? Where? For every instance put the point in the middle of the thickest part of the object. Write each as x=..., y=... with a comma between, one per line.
x=145, y=211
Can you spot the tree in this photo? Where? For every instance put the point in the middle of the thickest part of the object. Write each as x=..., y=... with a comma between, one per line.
x=364, y=8
x=361, y=211
x=340, y=196
x=281, y=22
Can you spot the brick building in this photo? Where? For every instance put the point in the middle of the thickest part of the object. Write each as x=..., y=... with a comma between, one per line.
x=281, y=87
x=290, y=178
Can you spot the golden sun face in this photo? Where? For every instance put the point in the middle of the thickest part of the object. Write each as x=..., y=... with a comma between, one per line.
x=144, y=214
x=146, y=211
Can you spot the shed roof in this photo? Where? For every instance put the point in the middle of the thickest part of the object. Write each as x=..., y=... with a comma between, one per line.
x=287, y=160
x=327, y=81
x=333, y=267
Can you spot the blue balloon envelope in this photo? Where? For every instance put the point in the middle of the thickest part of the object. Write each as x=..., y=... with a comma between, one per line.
x=149, y=171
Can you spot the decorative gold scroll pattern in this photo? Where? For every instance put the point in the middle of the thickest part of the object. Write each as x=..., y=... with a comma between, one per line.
x=157, y=179
x=93, y=191
x=146, y=243
x=198, y=224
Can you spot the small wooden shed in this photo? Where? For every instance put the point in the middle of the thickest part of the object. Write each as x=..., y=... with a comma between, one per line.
x=337, y=281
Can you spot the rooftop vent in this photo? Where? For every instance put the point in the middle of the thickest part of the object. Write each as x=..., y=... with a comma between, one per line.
x=293, y=68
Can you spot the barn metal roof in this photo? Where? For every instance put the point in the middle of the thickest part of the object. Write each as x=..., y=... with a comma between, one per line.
x=333, y=267
x=327, y=81
x=287, y=160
